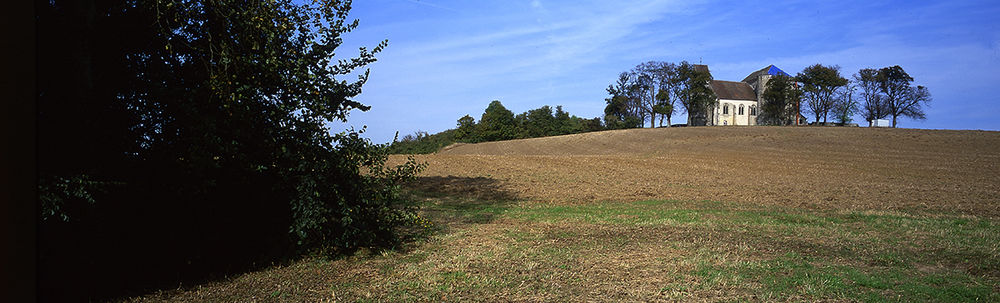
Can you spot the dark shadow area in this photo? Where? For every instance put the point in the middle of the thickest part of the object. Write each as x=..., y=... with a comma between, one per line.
x=478, y=188
x=137, y=241
x=450, y=201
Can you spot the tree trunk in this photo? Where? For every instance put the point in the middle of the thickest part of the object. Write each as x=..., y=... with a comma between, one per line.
x=894, y=121
x=668, y=120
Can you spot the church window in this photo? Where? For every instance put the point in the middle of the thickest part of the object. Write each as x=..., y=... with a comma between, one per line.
x=753, y=110
x=725, y=109
x=741, y=109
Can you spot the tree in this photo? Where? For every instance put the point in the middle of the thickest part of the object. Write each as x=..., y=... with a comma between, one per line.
x=663, y=106
x=693, y=91
x=654, y=80
x=873, y=106
x=466, y=130
x=619, y=112
x=668, y=79
x=844, y=106
x=538, y=123
x=194, y=135
x=497, y=123
x=819, y=84
x=643, y=91
x=562, y=123
x=780, y=101
x=901, y=98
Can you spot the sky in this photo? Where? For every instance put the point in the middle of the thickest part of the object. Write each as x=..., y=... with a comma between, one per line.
x=447, y=59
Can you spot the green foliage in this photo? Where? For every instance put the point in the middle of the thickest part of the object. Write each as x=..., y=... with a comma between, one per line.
x=330, y=213
x=422, y=143
x=59, y=194
x=466, y=131
x=497, y=123
x=694, y=92
x=780, y=101
x=209, y=119
x=538, y=123
x=622, y=110
x=899, y=96
x=819, y=86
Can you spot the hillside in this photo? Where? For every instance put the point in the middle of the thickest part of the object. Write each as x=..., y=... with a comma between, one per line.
x=666, y=141
x=830, y=168
x=755, y=214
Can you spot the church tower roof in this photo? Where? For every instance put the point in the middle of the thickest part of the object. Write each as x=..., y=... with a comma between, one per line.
x=769, y=70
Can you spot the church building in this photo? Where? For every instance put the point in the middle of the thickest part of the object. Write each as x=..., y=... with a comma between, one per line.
x=739, y=102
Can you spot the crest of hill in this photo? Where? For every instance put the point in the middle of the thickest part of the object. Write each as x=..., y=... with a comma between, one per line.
x=753, y=140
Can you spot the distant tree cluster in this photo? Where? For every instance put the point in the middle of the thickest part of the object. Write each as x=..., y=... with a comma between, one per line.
x=873, y=93
x=651, y=91
x=498, y=123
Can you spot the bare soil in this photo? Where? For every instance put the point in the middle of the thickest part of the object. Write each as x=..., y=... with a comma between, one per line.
x=855, y=169
x=764, y=214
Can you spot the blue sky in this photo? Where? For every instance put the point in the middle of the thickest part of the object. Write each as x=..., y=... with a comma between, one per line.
x=447, y=59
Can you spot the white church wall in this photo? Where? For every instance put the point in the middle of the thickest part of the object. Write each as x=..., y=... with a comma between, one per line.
x=733, y=115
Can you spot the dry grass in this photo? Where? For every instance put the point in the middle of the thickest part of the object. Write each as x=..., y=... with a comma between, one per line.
x=692, y=214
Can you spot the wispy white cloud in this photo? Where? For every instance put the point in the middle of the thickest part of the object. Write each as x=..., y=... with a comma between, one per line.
x=430, y=4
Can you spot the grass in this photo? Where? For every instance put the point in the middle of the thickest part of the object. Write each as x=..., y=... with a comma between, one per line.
x=504, y=250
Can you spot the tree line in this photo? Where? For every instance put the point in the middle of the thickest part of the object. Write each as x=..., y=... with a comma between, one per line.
x=872, y=93
x=499, y=123
x=180, y=141
x=655, y=91
x=652, y=91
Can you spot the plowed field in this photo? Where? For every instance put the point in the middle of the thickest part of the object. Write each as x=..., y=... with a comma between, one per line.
x=711, y=214
x=856, y=169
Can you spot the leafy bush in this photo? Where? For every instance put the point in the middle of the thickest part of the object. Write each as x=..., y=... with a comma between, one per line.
x=197, y=145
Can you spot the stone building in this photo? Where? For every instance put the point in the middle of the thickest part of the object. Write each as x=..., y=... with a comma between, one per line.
x=739, y=102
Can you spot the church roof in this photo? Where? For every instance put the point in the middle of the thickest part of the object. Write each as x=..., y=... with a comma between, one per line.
x=733, y=90
x=769, y=70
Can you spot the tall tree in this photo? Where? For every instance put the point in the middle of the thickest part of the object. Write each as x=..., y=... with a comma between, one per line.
x=819, y=84
x=562, y=123
x=620, y=110
x=644, y=88
x=497, y=123
x=667, y=79
x=873, y=105
x=902, y=98
x=466, y=130
x=845, y=106
x=780, y=101
x=693, y=91
x=651, y=78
